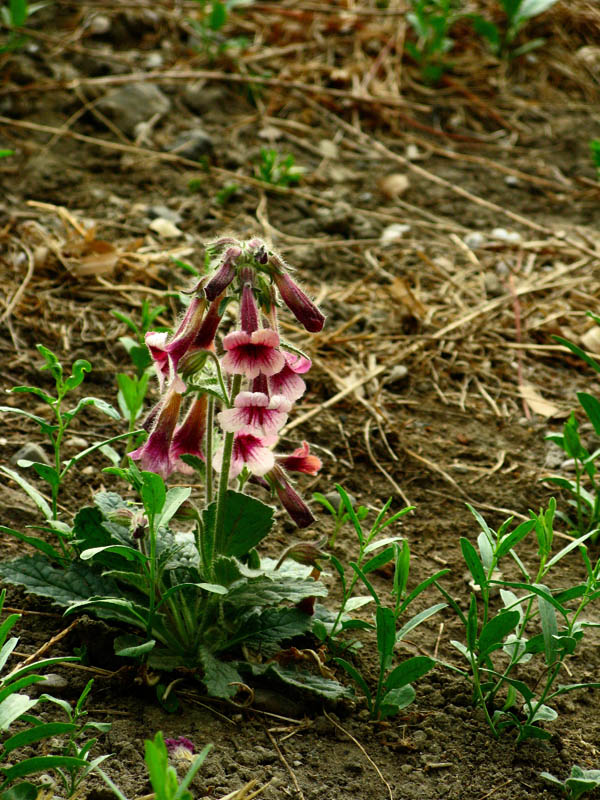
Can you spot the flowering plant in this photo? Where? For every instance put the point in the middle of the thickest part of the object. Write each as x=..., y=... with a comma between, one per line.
x=194, y=594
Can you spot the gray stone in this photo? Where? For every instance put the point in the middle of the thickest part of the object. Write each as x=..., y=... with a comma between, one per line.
x=193, y=144
x=52, y=683
x=164, y=213
x=30, y=452
x=201, y=98
x=129, y=105
x=335, y=499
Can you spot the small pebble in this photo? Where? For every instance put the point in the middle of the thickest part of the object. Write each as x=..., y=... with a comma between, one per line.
x=163, y=212
x=335, y=499
x=30, y=452
x=393, y=232
x=511, y=180
x=397, y=373
x=474, y=240
x=412, y=152
x=165, y=228
x=52, y=682
x=77, y=441
x=511, y=237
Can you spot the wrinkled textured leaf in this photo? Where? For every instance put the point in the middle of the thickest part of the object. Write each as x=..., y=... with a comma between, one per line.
x=63, y=587
x=274, y=625
x=264, y=590
x=247, y=522
x=218, y=675
x=301, y=679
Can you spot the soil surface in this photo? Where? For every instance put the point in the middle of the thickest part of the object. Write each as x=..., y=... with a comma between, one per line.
x=434, y=382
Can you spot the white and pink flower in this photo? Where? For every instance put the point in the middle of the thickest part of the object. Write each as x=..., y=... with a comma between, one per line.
x=254, y=412
x=249, y=451
x=287, y=380
x=253, y=354
x=301, y=460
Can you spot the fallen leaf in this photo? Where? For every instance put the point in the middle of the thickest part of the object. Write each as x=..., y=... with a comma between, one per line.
x=536, y=402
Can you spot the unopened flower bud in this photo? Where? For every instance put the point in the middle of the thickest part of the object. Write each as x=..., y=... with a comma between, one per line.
x=192, y=363
x=298, y=303
x=224, y=274
x=306, y=553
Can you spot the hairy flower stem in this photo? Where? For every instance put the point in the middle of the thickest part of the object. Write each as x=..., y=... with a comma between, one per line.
x=208, y=450
x=224, y=476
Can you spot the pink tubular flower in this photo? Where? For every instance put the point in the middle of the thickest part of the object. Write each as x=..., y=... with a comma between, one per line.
x=301, y=460
x=298, y=303
x=155, y=454
x=189, y=436
x=248, y=310
x=166, y=353
x=287, y=381
x=289, y=497
x=248, y=451
x=255, y=413
x=252, y=354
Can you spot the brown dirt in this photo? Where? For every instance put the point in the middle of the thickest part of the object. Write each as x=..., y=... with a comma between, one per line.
x=470, y=326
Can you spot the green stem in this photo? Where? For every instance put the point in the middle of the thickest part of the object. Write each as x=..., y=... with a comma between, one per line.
x=224, y=476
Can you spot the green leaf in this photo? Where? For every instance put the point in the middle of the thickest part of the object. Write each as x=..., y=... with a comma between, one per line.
x=129, y=553
x=219, y=677
x=47, y=398
x=18, y=12
x=301, y=679
x=567, y=549
x=379, y=560
x=386, y=634
x=265, y=590
x=418, y=619
x=37, y=734
x=511, y=539
x=548, y=622
x=34, y=541
x=63, y=587
x=29, y=490
x=357, y=602
x=591, y=406
x=42, y=764
x=173, y=501
x=134, y=650
x=21, y=791
x=357, y=678
x=52, y=363
x=153, y=493
x=45, y=471
x=78, y=371
x=531, y=8
x=12, y=708
x=421, y=588
x=95, y=402
x=247, y=522
x=395, y=700
x=113, y=608
x=273, y=625
x=532, y=587
x=217, y=16
x=99, y=446
x=409, y=671
x=473, y=563
x=493, y=633
x=401, y=570
x=368, y=585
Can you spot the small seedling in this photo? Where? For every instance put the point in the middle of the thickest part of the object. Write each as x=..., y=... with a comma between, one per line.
x=579, y=782
x=6, y=153
x=163, y=776
x=431, y=21
x=338, y=511
x=78, y=767
x=585, y=489
x=15, y=705
x=54, y=474
x=14, y=15
x=495, y=644
x=394, y=690
x=501, y=40
x=278, y=170
x=208, y=28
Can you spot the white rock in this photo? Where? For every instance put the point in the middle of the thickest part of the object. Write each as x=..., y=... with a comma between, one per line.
x=474, y=240
x=591, y=339
x=393, y=232
x=511, y=237
x=165, y=228
x=394, y=185
x=412, y=152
